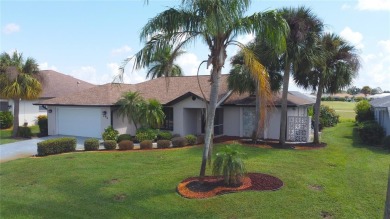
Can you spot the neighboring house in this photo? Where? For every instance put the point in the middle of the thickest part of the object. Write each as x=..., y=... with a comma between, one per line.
x=54, y=84
x=89, y=112
x=381, y=107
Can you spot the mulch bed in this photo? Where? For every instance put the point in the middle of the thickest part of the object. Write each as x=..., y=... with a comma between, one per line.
x=212, y=186
x=269, y=143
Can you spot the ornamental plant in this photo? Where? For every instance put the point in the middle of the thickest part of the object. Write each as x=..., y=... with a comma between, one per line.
x=6, y=119
x=229, y=164
x=110, y=134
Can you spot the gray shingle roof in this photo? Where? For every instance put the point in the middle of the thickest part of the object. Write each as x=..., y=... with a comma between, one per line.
x=381, y=102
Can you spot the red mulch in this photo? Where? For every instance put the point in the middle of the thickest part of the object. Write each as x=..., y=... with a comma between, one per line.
x=213, y=186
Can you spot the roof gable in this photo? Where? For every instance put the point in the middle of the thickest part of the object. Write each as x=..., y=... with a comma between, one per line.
x=381, y=102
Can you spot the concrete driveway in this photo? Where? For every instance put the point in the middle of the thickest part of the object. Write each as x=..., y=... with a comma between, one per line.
x=28, y=148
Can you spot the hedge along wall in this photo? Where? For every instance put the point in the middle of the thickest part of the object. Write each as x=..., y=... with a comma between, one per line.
x=56, y=146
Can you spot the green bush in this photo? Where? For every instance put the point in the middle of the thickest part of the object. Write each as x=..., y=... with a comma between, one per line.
x=126, y=145
x=179, y=142
x=109, y=144
x=24, y=132
x=91, y=144
x=164, y=135
x=229, y=164
x=56, y=146
x=43, y=126
x=146, y=134
x=6, y=119
x=328, y=116
x=358, y=99
x=146, y=144
x=110, y=134
x=191, y=139
x=386, y=142
x=163, y=143
x=124, y=137
x=371, y=132
x=363, y=111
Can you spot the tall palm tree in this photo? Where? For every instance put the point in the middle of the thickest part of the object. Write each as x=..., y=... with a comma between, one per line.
x=305, y=28
x=162, y=63
x=335, y=68
x=18, y=80
x=215, y=23
x=240, y=79
x=130, y=106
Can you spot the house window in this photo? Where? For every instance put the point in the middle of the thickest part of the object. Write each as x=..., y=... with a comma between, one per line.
x=218, y=122
x=168, y=121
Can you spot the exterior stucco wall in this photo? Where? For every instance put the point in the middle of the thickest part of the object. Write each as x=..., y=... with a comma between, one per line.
x=382, y=116
x=188, y=107
x=27, y=111
x=231, y=119
x=122, y=125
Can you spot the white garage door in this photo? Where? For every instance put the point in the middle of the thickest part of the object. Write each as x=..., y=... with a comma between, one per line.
x=79, y=122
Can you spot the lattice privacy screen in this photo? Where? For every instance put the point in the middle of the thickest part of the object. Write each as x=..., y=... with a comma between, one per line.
x=298, y=128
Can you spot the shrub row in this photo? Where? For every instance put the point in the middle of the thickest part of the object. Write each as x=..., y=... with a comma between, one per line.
x=371, y=132
x=6, y=119
x=91, y=144
x=56, y=146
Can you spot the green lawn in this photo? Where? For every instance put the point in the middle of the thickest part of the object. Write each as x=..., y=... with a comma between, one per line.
x=344, y=109
x=5, y=135
x=142, y=184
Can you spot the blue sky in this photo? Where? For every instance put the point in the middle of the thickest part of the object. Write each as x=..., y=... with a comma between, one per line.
x=90, y=39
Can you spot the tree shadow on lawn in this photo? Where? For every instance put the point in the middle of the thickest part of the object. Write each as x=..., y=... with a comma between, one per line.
x=357, y=143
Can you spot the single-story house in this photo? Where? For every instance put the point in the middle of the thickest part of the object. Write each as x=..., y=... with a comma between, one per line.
x=381, y=107
x=54, y=84
x=89, y=112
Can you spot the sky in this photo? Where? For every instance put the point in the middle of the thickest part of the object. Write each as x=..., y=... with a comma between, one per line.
x=90, y=39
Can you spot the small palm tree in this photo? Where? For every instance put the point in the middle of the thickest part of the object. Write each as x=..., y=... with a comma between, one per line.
x=229, y=164
x=152, y=114
x=18, y=80
x=130, y=107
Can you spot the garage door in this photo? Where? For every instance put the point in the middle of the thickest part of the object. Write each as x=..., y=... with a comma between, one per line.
x=79, y=122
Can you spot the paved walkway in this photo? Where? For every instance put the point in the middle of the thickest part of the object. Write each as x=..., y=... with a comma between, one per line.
x=28, y=148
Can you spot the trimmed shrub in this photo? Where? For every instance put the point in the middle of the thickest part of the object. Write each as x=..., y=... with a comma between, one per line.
x=6, y=119
x=146, y=144
x=124, y=137
x=109, y=144
x=163, y=143
x=42, y=123
x=176, y=135
x=110, y=134
x=179, y=142
x=126, y=145
x=164, y=135
x=386, y=142
x=91, y=144
x=371, y=132
x=24, y=132
x=146, y=134
x=191, y=139
x=363, y=111
x=328, y=116
x=200, y=139
x=56, y=146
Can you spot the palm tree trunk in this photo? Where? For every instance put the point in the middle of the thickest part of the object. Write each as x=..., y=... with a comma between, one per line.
x=16, y=118
x=317, y=112
x=283, y=116
x=210, y=120
x=255, y=132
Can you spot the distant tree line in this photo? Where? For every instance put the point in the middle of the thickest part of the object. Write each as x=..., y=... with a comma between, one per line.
x=366, y=90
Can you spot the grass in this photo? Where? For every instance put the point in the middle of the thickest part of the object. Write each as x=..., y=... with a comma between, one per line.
x=5, y=135
x=344, y=109
x=142, y=184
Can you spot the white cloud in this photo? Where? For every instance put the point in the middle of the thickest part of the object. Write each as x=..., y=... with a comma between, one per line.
x=385, y=45
x=121, y=50
x=244, y=39
x=87, y=73
x=189, y=63
x=355, y=38
x=45, y=66
x=11, y=28
x=373, y=5
x=376, y=68
x=129, y=76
